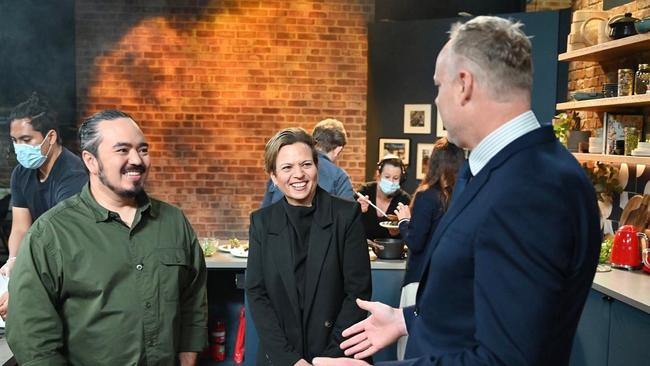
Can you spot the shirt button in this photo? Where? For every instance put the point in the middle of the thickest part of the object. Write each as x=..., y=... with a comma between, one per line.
x=147, y=305
x=328, y=324
x=139, y=267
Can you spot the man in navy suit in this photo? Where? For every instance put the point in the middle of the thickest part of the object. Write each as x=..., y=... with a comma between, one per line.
x=513, y=258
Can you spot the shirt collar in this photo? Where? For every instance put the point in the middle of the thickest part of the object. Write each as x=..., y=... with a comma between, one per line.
x=500, y=138
x=323, y=155
x=103, y=214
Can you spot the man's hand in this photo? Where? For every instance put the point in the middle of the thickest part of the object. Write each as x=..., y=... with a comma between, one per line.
x=4, y=305
x=384, y=326
x=187, y=358
x=341, y=361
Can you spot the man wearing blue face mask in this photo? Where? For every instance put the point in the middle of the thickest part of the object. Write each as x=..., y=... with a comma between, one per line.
x=47, y=172
x=384, y=193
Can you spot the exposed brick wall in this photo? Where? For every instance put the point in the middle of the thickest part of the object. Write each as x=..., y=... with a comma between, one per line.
x=210, y=82
x=590, y=76
x=540, y=5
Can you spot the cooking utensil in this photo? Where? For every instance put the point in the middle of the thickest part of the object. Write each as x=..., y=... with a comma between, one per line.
x=626, y=249
x=388, y=248
x=632, y=204
x=622, y=26
x=371, y=204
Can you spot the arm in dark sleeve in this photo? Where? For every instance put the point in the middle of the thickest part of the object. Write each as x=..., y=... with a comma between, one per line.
x=34, y=325
x=357, y=282
x=280, y=351
x=17, y=197
x=425, y=213
x=193, y=298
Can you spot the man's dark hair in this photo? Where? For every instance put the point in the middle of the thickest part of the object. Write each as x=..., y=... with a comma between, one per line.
x=89, y=138
x=42, y=118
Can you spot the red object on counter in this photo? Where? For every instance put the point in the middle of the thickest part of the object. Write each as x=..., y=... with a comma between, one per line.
x=645, y=256
x=626, y=249
x=218, y=341
x=238, y=356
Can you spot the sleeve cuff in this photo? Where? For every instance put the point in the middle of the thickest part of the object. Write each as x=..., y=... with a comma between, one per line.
x=193, y=339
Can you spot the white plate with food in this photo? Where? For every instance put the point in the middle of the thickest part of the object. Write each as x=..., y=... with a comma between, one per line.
x=389, y=224
x=240, y=252
x=226, y=248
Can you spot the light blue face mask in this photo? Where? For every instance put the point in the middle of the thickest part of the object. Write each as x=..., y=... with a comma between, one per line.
x=30, y=156
x=387, y=186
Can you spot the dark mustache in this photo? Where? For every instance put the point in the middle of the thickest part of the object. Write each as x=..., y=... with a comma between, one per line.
x=137, y=168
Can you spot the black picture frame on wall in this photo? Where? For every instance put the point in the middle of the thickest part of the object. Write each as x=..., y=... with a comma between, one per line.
x=399, y=147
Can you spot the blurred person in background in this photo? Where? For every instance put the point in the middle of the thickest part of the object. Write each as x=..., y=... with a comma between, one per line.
x=330, y=138
x=430, y=202
x=110, y=276
x=46, y=174
x=385, y=193
x=308, y=259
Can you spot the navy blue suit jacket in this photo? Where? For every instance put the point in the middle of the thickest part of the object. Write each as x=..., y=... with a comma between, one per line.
x=426, y=212
x=513, y=261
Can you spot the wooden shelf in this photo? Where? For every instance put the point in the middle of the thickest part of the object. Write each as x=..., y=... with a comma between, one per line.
x=607, y=104
x=609, y=50
x=613, y=158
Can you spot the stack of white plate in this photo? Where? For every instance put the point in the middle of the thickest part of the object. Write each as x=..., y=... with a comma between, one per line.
x=643, y=149
x=595, y=145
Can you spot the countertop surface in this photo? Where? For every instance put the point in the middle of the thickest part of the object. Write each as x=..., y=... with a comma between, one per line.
x=632, y=288
x=223, y=260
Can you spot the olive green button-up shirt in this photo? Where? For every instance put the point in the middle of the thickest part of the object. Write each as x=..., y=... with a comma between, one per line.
x=88, y=290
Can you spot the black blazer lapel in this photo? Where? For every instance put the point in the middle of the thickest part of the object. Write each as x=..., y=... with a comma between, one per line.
x=320, y=238
x=279, y=246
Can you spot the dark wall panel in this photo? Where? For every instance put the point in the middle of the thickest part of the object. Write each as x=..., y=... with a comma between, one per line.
x=401, y=62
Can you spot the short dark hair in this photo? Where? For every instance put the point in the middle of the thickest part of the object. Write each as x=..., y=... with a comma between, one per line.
x=89, y=138
x=42, y=118
x=288, y=136
x=329, y=134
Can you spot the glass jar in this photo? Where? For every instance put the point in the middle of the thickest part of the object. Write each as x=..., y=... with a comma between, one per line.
x=632, y=137
x=642, y=79
x=625, y=82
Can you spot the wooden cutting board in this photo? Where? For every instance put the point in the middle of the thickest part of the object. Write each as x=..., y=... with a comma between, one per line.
x=632, y=205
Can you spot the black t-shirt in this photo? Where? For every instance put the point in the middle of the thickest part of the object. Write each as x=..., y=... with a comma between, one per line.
x=370, y=219
x=66, y=179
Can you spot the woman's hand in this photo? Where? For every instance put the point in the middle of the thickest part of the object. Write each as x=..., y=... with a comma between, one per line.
x=363, y=201
x=302, y=362
x=402, y=211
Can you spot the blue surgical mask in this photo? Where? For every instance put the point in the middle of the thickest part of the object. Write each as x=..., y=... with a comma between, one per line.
x=387, y=186
x=30, y=156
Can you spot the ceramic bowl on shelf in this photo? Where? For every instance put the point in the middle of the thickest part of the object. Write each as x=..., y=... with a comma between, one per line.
x=586, y=95
x=642, y=25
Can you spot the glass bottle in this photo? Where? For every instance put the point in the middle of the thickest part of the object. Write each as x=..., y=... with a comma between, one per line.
x=632, y=137
x=625, y=82
x=642, y=79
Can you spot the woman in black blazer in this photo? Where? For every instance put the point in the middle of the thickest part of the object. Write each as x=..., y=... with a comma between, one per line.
x=430, y=202
x=308, y=260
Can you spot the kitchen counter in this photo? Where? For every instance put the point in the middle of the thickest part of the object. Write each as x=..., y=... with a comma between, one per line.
x=632, y=288
x=222, y=260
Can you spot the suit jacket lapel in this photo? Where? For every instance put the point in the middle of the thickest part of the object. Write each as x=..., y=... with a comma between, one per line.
x=320, y=238
x=280, y=248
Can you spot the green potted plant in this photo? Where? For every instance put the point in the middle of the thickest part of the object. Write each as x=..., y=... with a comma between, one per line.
x=568, y=129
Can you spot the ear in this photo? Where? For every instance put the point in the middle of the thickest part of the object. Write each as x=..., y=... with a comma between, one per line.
x=90, y=161
x=54, y=137
x=466, y=80
x=337, y=151
x=273, y=178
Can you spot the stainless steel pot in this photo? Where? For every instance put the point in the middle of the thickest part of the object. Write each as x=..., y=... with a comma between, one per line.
x=389, y=248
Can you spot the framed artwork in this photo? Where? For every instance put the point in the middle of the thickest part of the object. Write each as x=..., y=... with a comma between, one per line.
x=417, y=118
x=440, y=127
x=399, y=147
x=423, y=155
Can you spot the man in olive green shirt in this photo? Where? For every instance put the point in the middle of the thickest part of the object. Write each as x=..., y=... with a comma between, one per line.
x=109, y=276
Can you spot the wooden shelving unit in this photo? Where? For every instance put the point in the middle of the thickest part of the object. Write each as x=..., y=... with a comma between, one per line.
x=613, y=158
x=607, y=104
x=609, y=50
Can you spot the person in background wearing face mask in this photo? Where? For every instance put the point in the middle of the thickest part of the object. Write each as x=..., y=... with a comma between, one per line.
x=47, y=172
x=384, y=193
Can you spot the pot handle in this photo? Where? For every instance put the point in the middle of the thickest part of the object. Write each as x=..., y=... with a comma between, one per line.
x=588, y=41
x=644, y=257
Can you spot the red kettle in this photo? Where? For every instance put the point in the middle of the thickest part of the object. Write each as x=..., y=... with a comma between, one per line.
x=626, y=249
